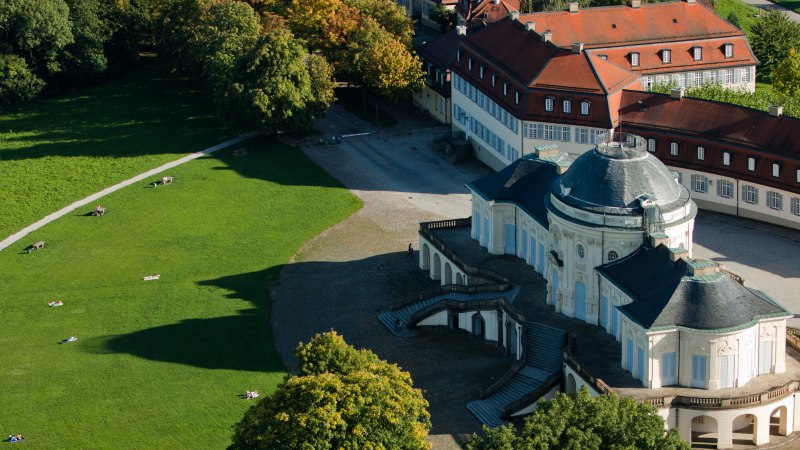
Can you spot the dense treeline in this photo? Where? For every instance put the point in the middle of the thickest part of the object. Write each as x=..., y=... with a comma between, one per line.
x=267, y=64
x=757, y=100
x=56, y=43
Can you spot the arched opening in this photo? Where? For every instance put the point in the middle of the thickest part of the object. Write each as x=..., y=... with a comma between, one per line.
x=478, y=325
x=425, y=257
x=511, y=338
x=460, y=279
x=580, y=300
x=778, y=423
x=745, y=428
x=436, y=272
x=448, y=273
x=570, y=387
x=704, y=432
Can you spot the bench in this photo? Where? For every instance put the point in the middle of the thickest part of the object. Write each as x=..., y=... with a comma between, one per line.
x=163, y=180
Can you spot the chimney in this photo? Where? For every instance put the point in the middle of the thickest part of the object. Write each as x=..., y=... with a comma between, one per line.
x=700, y=267
x=530, y=26
x=461, y=30
x=677, y=93
x=657, y=239
x=678, y=253
x=514, y=15
x=577, y=47
x=775, y=111
x=573, y=7
x=636, y=4
x=547, y=36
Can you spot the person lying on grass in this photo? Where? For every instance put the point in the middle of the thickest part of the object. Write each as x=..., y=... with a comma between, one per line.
x=55, y=303
x=152, y=277
x=15, y=437
x=69, y=339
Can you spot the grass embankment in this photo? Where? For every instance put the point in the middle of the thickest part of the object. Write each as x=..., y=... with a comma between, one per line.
x=158, y=364
x=747, y=14
x=61, y=150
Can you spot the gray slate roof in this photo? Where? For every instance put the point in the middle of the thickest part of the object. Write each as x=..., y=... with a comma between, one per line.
x=525, y=182
x=666, y=295
x=606, y=184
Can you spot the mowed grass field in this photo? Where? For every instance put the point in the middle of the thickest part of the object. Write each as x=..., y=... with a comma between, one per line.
x=157, y=364
x=60, y=150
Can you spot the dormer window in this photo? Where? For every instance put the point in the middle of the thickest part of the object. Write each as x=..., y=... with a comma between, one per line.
x=673, y=149
x=603, y=57
x=726, y=159
x=516, y=97
x=666, y=56
x=585, y=108
x=697, y=53
x=505, y=87
x=566, y=106
x=776, y=170
x=635, y=59
x=728, y=48
x=549, y=102
x=458, y=55
x=483, y=70
x=469, y=63
x=494, y=79
x=751, y=164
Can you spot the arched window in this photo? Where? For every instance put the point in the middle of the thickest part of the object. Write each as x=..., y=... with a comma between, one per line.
x=549, y=102
x=567, y=106
x=585, y=108
x=580, y=251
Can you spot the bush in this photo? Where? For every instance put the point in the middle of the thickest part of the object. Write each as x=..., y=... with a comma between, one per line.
x=18, y=84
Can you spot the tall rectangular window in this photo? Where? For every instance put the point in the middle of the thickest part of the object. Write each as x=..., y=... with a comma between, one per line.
x=673, y=148
x=725, y=188
x=549, y=102
x=775, y=200
x=666, y=56
x=726, y=158
x=796, y=206
x=745, y=76
x=566, y=106
x=699, y=371
x=697, y=78
x=727, y=374
x=727, y=76
x=635, y=59
x=750, y=194
x=776, y=170
x=629, y=352
x=669, y=369
x=549, y=132
x=701, y=153
x=764, y=357
x=751, y=164
x=651, y=145
x=729, y=50
x=700, y=183
x=585, y=108
x=697, y=53
x=710, y=77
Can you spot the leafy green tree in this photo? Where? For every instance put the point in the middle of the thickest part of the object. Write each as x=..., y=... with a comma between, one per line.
x=37, y=30
x=786, y=75
x=322, y=84
x=771, y=38
x=270, y=88
x=499, y=438
x=445, y=17
x=582, y=422
x=229, y=29
x=84, y=59
x=18, y=84
x=733, y=18
x=179, y=37
x=343, y=398
x=757, y=100
x=390, y=16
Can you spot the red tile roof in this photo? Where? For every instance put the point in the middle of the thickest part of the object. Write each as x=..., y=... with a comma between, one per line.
x=623, y=25
x=731, y=124
x=681, y=55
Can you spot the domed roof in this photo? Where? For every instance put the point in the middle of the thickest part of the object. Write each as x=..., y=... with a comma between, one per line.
x=613, y=177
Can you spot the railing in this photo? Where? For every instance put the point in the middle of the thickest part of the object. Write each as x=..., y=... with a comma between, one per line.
x=502, y=381
x=745, y=401
x=598, y=384
x=551, y=382
x=462, y=306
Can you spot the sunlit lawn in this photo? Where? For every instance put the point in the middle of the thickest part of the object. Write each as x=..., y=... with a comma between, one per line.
x=158, y=364
x=59, y=150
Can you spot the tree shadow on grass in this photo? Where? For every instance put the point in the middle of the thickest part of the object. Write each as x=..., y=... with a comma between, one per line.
x=238, y=342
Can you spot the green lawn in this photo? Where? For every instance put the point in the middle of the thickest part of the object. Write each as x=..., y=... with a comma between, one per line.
x=60, y=150
x=794, y=5
x=158, y=364
x=747, y=14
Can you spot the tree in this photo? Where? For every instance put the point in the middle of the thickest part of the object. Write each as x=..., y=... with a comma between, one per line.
x=733, y=18
x=84, y=59
x=389, y=15
x=756, y=100
x=582, y=422
x=445, y=17
x=17, y=83
x=228, y=30
x=342, y=398
x=786, y=75
x=270, y=87
x=771, y=38
x=322, y=84
x=37, y=30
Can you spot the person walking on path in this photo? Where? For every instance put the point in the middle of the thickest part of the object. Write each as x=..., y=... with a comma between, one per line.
x=410, y=251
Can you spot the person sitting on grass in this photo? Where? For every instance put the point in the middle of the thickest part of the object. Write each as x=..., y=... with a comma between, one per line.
x=69, y=339
x=253, y=394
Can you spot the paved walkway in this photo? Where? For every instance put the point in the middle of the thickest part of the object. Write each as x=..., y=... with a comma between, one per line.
x=767, y=5
x=5, y=243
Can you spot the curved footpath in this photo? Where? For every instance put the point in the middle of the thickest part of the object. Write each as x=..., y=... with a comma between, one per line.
x=5, y=243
